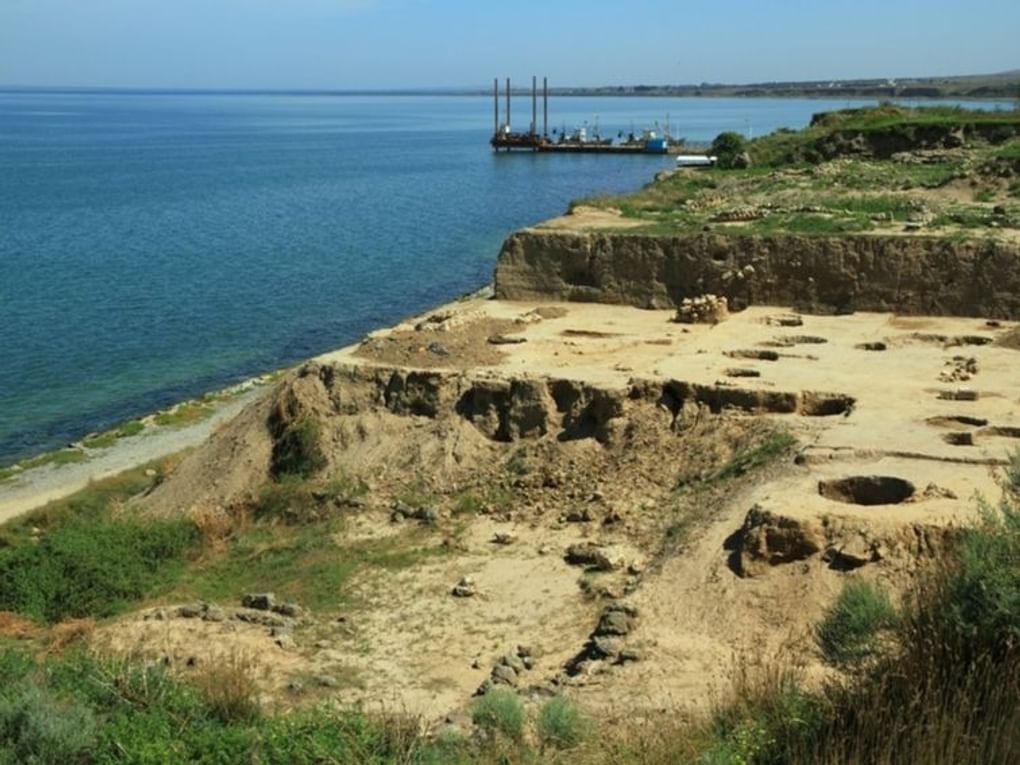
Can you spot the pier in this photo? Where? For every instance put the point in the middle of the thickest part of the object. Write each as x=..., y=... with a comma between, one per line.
x=504, y=138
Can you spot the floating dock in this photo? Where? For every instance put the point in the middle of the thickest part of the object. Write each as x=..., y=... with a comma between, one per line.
x=504, y=138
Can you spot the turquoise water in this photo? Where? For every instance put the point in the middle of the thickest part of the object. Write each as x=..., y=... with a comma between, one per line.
x=156, y=246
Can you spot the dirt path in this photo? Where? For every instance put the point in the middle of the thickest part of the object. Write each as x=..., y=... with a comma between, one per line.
x=37, y=486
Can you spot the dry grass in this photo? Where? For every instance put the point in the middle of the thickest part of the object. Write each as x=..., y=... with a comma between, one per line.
x=14, y=626
x=69, y=632
x=216, y=527
x=229, y=688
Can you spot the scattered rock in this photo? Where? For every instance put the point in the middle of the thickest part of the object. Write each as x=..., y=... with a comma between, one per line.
x=785, y=320
x=424, y=514
x=590, y=555
x=508, y=670
x=507, y=340
x=260, y=617
x=615, y=621
x=577, y=516
x=606, y=644
x=260, y=601
x=287, y=609
x=504, y=675
x=438, y=349
x=465, y=588
x=738, y=214
x=960, y=369
x=191, y=611
x=706, y=309
x=853, y=553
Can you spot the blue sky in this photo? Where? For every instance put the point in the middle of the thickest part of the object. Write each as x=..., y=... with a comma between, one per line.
x=452, y=43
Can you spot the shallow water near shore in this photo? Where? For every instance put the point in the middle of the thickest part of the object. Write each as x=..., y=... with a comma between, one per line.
x=156, y=246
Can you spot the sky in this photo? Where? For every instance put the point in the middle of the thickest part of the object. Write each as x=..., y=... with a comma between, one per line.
x=393, y=44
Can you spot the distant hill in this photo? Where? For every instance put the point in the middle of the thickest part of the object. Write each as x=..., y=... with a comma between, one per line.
x=1005, y=85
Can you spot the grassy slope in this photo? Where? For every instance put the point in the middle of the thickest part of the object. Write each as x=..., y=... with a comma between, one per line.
x=789, y=187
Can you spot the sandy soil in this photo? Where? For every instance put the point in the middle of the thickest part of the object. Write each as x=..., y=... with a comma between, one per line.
x=932, y=402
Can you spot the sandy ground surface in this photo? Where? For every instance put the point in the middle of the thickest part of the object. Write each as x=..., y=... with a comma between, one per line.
x=930, y=404
x=38, y=486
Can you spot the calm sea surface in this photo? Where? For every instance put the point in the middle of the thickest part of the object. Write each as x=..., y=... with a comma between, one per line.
x=156, y=246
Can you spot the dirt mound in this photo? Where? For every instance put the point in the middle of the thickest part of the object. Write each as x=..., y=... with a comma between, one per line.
x=225, y=471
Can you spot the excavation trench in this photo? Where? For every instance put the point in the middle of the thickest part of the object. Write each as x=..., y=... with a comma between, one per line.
x=867, y=490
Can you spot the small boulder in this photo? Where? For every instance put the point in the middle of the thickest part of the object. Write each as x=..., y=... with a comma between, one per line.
x=617, y=619
x=191, y=611
x=438, y=349
x=287, y=609
x=590, y=555
x=465, y=588
x=261, y=601
x=504, y=675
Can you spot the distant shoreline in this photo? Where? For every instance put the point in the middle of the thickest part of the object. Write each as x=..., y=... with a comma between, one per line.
x=1004, y=86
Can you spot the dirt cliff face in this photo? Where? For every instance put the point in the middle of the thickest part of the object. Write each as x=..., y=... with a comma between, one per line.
x=819, y=274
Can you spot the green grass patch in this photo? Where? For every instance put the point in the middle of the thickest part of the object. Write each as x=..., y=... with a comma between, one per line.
x=295, y=501
x=691, y=488
x=55, y=458
x=291, y=501
x=468, y=503
x=743, y=462
x=1010, y=150
x=849, y=630
x=92, y=567
x=500, y=713
x=304, y=563
x=110, y=437
x=187, y=413
x=897, y=208
x=560, y=724
x=809, y=224
x=965, y=217
x=77, y=709
x=886, y=116
x=91, y=503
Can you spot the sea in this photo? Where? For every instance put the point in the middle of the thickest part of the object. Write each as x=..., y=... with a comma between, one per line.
x=158, y=245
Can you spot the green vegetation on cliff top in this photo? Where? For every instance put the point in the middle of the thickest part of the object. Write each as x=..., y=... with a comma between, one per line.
x=932, y=171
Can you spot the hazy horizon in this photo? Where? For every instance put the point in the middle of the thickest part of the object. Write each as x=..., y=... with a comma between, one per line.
x=386, y=45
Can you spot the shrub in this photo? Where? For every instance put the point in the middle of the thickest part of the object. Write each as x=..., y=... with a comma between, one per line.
x=848, y=631
x=290, y=501
x=500, y=712
x=38, y=728
x=298, y=450
x=726, y=147
x=984, y=594
x=560, y=723
x=92, y=567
